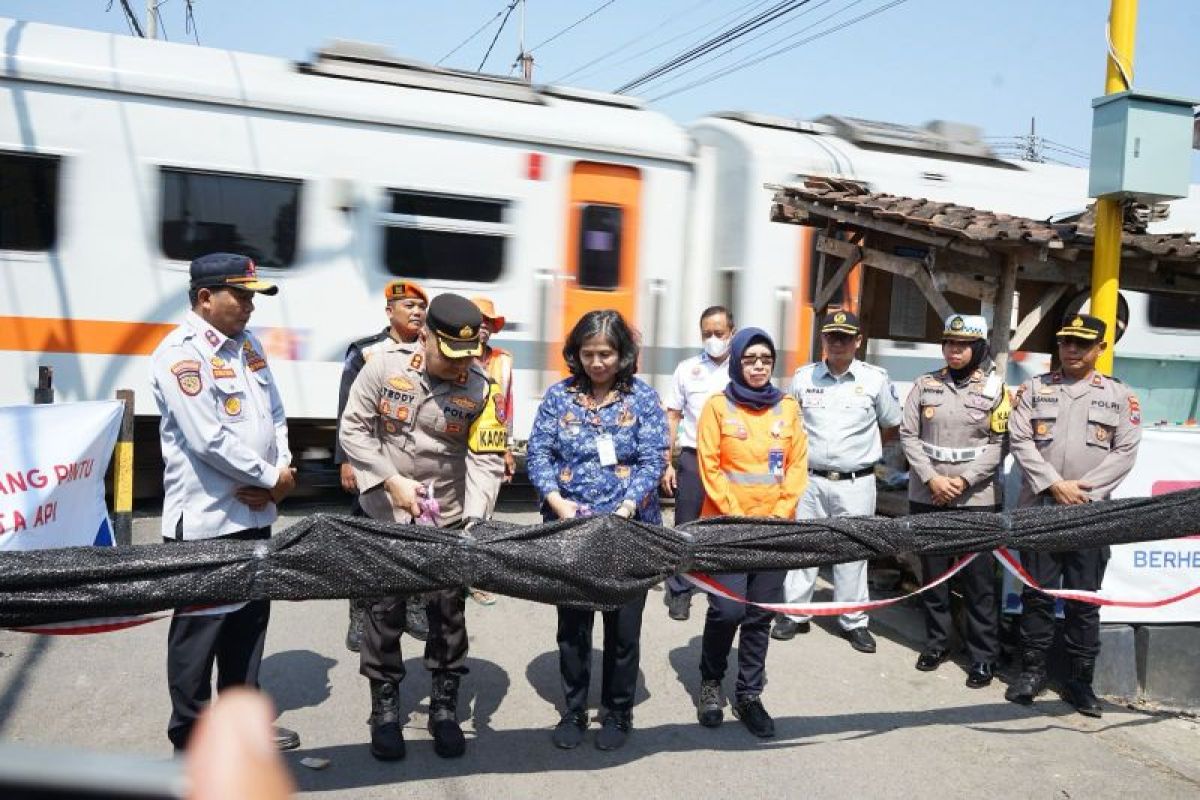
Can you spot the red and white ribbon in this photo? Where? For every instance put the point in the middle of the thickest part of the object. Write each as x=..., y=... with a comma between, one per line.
x=713, y=586
x=1013, y=565
x=80, y=627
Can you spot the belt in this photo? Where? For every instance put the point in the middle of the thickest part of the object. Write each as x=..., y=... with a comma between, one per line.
x=952, y=455
x=834, y=475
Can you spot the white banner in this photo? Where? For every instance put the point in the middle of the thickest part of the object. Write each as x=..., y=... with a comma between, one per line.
x=1168, y=461
x=52, y=464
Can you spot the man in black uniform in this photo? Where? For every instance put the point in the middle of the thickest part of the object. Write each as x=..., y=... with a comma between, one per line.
x=405, y=309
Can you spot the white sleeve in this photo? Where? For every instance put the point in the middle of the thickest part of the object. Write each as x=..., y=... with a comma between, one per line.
x=676, y=397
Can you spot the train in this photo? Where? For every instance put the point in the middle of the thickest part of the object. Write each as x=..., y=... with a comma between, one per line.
x=121, y=159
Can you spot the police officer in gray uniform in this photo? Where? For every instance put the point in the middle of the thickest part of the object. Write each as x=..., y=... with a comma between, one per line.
x=225, y=443
x=405, y=431
x=954, y=433
x=1075, y=433
x=845, y=403
x=405, y=309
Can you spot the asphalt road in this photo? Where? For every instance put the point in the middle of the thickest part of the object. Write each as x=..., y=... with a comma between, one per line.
x=849, y=724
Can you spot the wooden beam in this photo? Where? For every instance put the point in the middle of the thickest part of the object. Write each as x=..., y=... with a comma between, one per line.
x=977, y=288
x=911, y=268
x=814, y=211
x=1038, y=313
x=1003, y=316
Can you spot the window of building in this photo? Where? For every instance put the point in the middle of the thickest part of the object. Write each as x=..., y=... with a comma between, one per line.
x=1175, y=311
x=445, y=237
x=210, y=212
x=28, y=201
x=600, y=247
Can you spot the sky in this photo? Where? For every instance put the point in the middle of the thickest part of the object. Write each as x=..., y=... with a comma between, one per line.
x=995, y=64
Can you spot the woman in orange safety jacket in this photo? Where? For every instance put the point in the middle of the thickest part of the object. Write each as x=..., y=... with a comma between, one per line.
x=753, y=457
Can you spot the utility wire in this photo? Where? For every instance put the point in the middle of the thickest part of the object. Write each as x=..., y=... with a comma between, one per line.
x=779, y=51
x=130, y=18
x=666, y=80
x=499, y=30
x=657, y=28
x=189, y=21
x=470, y=38
x=725, y=37
x=574, y=24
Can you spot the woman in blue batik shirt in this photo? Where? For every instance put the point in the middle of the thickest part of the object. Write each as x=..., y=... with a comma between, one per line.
x=597, y=447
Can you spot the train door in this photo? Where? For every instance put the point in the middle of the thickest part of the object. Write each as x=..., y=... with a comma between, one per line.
x=602, y=242
x=810, y=278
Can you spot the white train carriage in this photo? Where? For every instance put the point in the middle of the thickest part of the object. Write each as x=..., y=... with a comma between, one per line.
x=121, y=159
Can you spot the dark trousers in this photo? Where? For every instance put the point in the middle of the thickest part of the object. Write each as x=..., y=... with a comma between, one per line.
x=980, y=601
x=689, y=499
x=1078, y=569
x=726, y=616
x=234, y=641
x=445, y=648
x=622, y=638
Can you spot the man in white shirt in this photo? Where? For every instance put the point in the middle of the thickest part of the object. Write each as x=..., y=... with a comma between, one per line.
x=695, y=380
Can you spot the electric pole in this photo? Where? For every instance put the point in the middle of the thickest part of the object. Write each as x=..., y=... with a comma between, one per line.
x=151, y=19
x=1106, y=260
x=525, y=59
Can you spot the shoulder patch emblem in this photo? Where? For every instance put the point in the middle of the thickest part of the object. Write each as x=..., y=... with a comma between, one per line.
x=1135, y=410
x=254, y=361
x=187, y=375
x=211, y=337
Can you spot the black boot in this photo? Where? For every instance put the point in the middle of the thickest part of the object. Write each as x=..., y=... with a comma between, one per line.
x=354, y=632
x=448, y=741
x=1078, y=690
x=387, y=740
x=1032, y=680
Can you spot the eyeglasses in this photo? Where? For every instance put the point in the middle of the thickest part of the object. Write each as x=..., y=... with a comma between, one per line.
x=750, y=361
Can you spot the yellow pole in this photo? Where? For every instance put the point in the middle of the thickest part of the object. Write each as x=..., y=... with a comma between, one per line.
x=1106, y=261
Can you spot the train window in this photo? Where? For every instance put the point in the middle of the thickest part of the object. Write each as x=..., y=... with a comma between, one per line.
x=208, y=212
x=600, y=247
x=1175, y=311
x=444, y=237
x=28, y=201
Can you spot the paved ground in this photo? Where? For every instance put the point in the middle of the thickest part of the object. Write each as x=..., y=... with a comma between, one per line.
x=850, y=725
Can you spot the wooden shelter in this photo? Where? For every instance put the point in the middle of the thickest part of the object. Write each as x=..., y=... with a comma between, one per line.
x=966, y=260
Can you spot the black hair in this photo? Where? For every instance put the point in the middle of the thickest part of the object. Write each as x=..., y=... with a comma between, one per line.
x=712, y=311
x=610, y=325
x=194, y=296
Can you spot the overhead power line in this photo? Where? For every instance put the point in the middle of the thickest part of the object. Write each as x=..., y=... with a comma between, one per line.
x=130, y=18
x=749, y=62
x=470, y=38
x=574, y=24
x=724, y=37
x=654, y=29
x=503, y=22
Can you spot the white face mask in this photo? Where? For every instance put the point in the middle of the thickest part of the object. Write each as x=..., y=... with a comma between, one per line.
x=715, y=346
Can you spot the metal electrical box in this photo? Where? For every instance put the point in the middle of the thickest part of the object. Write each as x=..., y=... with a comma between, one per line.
x=1141, y=146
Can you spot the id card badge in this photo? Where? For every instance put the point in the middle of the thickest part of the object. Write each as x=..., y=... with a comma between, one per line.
x=606, y=450
x=775, y=462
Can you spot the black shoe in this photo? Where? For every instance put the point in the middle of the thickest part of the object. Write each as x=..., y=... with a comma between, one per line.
x=1078, y=690
x=861, y=639
x=448, y=739
x=756, y=719
x=614, y=730
x=1032, y=680
x=286, y=739
x=416, y=620
x=980, y=675
x=785, y=629
x=708, y=709
x=679, y=606
x=568, y=733
x=354, y=631
x=387, y=740
x=931, y=658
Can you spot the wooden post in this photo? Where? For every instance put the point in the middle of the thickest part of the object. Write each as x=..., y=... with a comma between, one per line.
x=1003, y=317
x=123, y=474
x=44, y=393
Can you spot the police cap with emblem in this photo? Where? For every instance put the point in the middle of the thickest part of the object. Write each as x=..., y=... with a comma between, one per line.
x=964, y=327
x=228, y=269
x=841, y=322
x=454, y=321
x=1083, y=326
